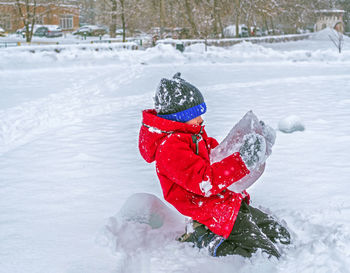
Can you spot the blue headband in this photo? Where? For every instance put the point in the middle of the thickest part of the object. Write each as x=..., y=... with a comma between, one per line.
x=187, y=114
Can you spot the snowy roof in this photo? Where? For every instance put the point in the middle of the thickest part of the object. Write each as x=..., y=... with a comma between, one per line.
x=40, y=4
x=52, y=27
x=91, y=27
x=331, y=11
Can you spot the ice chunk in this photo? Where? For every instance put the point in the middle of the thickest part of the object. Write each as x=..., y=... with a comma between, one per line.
x=143, y=222
x=291, y=124
x=234, y=140
x=248, y=180
x=147, y=209
x=270, y=136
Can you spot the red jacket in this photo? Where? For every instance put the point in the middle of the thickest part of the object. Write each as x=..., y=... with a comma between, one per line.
x=190, y=183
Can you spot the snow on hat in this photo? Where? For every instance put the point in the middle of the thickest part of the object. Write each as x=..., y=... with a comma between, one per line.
x=178, y=100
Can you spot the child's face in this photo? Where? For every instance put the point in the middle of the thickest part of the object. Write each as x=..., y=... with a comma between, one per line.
x=195, y=121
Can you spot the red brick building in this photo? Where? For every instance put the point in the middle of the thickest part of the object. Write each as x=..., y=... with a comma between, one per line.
x=64, y=15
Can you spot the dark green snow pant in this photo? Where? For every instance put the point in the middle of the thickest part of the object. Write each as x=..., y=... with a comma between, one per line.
x=253, y=230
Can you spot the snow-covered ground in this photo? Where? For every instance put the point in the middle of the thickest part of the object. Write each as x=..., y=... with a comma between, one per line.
x=69, y=159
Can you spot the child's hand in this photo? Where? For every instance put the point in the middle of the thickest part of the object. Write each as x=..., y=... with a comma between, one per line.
x=253, y=150
x=270, y=136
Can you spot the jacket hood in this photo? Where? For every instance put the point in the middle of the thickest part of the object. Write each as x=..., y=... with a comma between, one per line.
x=154, y=129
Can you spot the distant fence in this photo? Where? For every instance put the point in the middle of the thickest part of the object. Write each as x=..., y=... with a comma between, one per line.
x=31, y=47
x=136, y=44
x=256, y=40
x=232, y=41
x=8, y=44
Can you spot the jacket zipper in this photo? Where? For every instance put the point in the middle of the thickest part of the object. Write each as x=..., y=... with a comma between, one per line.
x=196, y=138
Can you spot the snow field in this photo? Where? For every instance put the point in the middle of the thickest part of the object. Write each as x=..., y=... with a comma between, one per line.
x=69, y=158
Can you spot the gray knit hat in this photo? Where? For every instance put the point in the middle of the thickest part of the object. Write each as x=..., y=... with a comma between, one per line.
x=178, y=100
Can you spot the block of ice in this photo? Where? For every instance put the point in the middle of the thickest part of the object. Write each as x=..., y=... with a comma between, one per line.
x=145, y=208
x=143, y=222
x=231, y=144
x=248, y=180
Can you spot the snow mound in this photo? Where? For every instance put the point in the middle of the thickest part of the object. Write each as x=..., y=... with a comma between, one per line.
x=291, y=124
x=319, y=48
x=324, y=34
x=198, y=48
x=143, y=222
x=248, y=48
x=162, y=53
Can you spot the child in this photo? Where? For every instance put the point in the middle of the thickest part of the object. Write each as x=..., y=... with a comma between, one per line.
x=173, y=136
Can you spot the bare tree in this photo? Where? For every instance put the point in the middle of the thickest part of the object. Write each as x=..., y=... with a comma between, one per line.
x=190, y=19
x=237, y=9
x=113, y=24
x=206, y=17
x=122, y=3
x=88, y=10
x=205, y=20
x=124, y=14
x=107, y=14
x=338, y=40
x=345, y=5
x=27, y=13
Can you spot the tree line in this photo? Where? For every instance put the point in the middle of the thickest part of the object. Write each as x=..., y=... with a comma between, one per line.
x=203, y=18
x=196, y=18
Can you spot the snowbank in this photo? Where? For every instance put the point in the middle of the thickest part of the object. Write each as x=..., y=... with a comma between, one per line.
x=248, y=52
x=321, y=51
x=324, y=34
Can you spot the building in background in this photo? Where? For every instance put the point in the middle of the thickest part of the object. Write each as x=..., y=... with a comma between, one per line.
x=55, y=13
x=330, y=18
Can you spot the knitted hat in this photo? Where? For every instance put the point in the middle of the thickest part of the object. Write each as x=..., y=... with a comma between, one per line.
x=178, y=100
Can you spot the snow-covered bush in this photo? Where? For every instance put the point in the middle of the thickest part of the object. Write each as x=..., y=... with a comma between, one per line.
x=291, y=124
